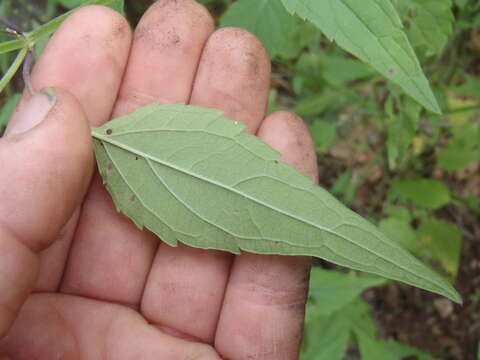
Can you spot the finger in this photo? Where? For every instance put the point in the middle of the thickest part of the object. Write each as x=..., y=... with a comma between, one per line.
x=67, y=327
x=111, y=258
x=45, y=173
x=233, y=76
x=167, y=46
x=265, y=297
x=86, y=56
x=53, y=259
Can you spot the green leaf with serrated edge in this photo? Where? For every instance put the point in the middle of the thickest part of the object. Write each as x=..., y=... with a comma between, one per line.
x=430, y=23
x=266, y=19
x=372, y=31
x=189, y=175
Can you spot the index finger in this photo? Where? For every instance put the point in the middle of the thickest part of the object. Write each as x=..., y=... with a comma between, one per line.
x=86, y=56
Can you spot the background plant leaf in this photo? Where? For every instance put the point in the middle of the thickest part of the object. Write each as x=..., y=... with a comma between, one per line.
x=336, y=316
x=432, y=194
x=7, y=110
x=444, y=240
x=332, y=290
x=372, y=31
x=326, y=338
x=265, y=18
x=429, y=23
x=189, y=175
x=401, y=231
x=324, y=134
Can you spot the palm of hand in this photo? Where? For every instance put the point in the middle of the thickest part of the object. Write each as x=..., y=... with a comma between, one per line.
x=106, y=289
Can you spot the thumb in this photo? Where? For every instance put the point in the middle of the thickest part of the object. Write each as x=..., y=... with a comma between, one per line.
x=46, y=163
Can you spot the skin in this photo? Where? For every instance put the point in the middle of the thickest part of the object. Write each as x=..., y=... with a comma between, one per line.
x=80, y=281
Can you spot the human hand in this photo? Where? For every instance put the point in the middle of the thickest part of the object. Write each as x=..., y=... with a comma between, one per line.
x=90, y=285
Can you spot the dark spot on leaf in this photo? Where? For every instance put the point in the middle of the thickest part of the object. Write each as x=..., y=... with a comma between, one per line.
x=275, y=161
x=132, y=198
x=110, y=166
x=109, y=131
x=136, y=157
x=392, y=71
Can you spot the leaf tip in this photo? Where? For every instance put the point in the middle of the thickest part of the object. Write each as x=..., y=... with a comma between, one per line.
x=456, y=297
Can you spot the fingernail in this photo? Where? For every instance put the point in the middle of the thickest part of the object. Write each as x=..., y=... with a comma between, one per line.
x=33, y=112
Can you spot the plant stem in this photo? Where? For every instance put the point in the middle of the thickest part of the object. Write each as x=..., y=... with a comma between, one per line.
x=13, y=68
x=11, y=26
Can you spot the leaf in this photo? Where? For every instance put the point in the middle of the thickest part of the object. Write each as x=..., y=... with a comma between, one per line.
x=117, y=5
x=357, y=318
x=70, y=4
x=445, y=240
x=399, y=212
x=324, y=134
x=333, y=307
x=372, y=31
x=189, y=175
x=371, y=348
x=339, y=70
x=7, y=110
x=463, y=148
x=331, y=290
x=326, y=338
x=432, y=194
x=430, y=23
x=454, y=157
x=401, y=130
x=308, y=75
x=346, y=186
x=301, y=36
x=317, y=104
x=403, y=352
x=400, y=231
x=365, y=331
x=266, y=19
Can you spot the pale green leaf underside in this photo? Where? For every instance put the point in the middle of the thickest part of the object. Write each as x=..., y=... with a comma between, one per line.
x=189, y=175
x=372, y=31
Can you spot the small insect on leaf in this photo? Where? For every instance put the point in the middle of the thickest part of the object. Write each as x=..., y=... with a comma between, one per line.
x=196, y=166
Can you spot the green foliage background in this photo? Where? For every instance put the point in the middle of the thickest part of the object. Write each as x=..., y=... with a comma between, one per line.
x=397, y=148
